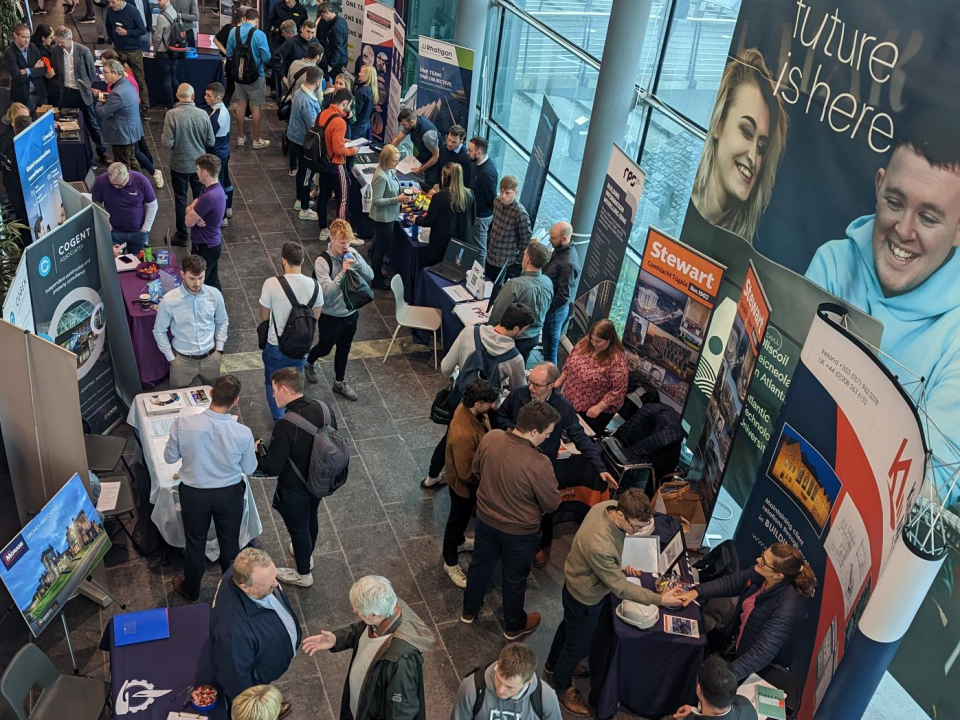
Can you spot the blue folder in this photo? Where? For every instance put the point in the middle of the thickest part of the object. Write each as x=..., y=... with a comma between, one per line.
x=140, y=627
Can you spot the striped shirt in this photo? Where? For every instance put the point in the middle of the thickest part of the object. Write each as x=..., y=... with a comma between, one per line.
x=509, y=233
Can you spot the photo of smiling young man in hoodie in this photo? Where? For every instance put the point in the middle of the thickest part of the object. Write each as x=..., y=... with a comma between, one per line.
x=901, y=265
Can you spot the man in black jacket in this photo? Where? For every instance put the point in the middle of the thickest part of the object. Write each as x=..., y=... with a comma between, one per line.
x=540, y=386
x=292, y=49
x=75, y=73
x=254, y=632
x=385, y=679
x=651, y=435
x=332, y=32
x=563, y=269
x=455, y=150
x=485, y=184
x=26, y=70
x=291, y=445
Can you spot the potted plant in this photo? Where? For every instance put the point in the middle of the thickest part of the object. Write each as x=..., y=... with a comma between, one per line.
x=10, y=248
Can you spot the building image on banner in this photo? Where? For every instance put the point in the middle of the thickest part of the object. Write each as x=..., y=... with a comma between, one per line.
x=39, y=162
x=668, y=317
x=43, y=566
x=382, y=47
x=443, y=83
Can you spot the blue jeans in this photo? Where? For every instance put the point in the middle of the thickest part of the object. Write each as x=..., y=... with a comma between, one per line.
x=135, y=240
x=515, y=553
x=552, y=328
x=273, y=360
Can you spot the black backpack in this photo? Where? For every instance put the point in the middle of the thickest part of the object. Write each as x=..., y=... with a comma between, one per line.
x=297, y=337
x=285, y=106
x=315, y=147
x=329, y=456
x=480, y=684
x=180, y=35
x=243, y=65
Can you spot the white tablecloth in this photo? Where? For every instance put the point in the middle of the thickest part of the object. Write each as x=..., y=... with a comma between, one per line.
x=164, y=492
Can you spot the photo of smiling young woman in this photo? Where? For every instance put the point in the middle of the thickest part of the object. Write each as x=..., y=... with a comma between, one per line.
x=748, y=133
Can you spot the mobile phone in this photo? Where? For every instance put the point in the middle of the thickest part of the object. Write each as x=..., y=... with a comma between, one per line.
x=119, y=25
x=125, y=259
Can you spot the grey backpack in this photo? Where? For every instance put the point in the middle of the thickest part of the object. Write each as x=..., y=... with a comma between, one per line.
x=329, y=457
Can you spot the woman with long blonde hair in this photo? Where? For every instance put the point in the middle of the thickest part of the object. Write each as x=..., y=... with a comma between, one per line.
x=451, y=214
x=747, y=137
x=365, y=96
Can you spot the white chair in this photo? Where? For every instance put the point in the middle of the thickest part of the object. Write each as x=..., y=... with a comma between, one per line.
x=414, y=317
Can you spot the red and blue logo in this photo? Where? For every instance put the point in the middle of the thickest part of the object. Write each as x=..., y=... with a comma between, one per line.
x=14, y=551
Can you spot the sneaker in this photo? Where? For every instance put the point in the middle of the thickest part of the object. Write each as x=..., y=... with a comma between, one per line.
x=87, y=20
x=292, y=173
x=241, y=141
x=468, y=545
x=297, y=205
x=308, y=215
x=342, y=388
x=324, y=235
x=224, y=222
x=357, y=242
x=456, y=574
x=533, y=622
x=429, y=481
x=260, y=144
x=292, y=577
x=230, y=212
x=39, y=11
x=572, y=701
x=293, y=555
x=158, y=178
x=310, y=370
x=215, y=13
x=466, y=619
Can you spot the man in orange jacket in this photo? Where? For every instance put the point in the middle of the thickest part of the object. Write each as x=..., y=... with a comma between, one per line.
x=334, y=179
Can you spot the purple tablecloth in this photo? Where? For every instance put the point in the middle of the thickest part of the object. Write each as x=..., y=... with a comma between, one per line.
x=76, y=157
x=648, y=671
x=151, y=363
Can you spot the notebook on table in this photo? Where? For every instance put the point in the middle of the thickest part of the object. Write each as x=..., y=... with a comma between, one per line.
x=141, y=627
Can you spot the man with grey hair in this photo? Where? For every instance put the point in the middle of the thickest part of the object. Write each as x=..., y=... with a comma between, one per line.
x=563, y=271
x=119, y=114
x=254, y=631
x=129, y=199
x=74, y=74
x=188, y=134
x=385, y=679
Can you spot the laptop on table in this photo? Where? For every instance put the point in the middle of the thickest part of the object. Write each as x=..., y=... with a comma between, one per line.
x=457, y=261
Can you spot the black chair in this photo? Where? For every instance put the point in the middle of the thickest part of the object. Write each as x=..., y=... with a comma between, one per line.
x=123, y=509
x=61, y=696
x=104, y=452
x=660, y=469
x=783, y=679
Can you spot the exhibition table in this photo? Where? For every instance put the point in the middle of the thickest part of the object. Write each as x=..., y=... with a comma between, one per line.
x=408, y=258
x=76, y=158
x=151, y=364
x=166, y=669
x=429, y=293
x=164, y=486
x=650, y=672
x=198, y=71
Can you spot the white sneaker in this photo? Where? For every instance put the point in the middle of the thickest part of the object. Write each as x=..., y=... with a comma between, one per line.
x=260, y=144
x=293, y=555
x=292, y=173
x=224, y=222
x=230, y=212
x=241, y=141
x=467, y=546
x=454, y=571
x=429, y=481
x=296, y=205
x=357, y=242
x=308, y=215
x=158, y=178
x=292, y=577
x=324, y=235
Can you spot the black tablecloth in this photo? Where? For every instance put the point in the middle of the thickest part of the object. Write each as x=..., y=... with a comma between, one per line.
x=76, y=157
x=429, y=293
x=173, y=664
x=408, y=257
x=199, y=72
x=648, y=671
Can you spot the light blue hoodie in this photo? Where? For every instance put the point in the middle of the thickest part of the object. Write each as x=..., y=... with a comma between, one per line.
x=921, y=328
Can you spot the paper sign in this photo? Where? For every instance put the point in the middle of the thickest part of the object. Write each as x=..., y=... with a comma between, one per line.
x=109, y=492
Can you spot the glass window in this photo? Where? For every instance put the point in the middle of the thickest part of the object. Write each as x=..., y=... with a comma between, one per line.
x=624, y=293
x=431, y=18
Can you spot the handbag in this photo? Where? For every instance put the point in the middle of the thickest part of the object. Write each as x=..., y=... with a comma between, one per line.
x=356, y=290
x=445, y=403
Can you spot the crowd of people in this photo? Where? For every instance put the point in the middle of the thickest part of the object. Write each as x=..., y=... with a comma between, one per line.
x=508, y=414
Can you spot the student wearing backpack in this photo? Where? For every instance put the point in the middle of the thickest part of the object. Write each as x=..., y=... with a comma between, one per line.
x=303, y=114
x=497, y=342
x=290, y=451
x=507, y=688
x=166, y=60
x=288, y=330
x=334, y=177
x=247, y=55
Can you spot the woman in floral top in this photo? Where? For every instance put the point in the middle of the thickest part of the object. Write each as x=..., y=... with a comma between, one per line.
x=594, y=378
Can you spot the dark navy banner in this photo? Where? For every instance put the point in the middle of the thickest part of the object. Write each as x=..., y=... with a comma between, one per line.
x=536, y=178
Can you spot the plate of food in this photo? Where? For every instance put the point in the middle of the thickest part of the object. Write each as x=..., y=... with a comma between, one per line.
x=204, y=698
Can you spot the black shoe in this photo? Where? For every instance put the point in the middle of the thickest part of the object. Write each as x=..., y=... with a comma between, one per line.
x=180, y=241
x=87, y=20
x=101, y=40
x=310, y=371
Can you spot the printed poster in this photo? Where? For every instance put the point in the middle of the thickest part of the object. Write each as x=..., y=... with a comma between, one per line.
x=531, y=192
x=16, y=305
x=382, y=46
x=39, y=162
x=352, y=12
x=443, y=83
x=667, y=322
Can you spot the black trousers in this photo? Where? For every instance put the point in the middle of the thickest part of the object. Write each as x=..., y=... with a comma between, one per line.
x=571, y=643
x=299, y=508
x=461, y=510
x=210, y=253
x=339, y=332
x=182, y=182
x=167, y=72
x=224, y=179
x=197, y=507
x=333, y=180
x=525, y=346
x=382, y=237
x=599, y=423
x=72, y=99
x=439, y=457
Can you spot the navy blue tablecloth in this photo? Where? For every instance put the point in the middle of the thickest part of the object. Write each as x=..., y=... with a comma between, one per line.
x=199, y=72
x=173, y=664
x=76, y=157
x=408, y=257
x=650, y=672
x=429, y=293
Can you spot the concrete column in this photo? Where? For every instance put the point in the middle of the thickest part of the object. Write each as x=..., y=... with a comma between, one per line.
x=470, y=32
x=612, y=104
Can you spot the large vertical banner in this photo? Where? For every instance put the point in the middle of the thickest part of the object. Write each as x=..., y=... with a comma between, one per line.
x=16, y=305
x=382, y=46
x=352, y=12
x=39, y=161
x=443, y=83
x=712, y=451
x=667, y=322
x=608, y=242
x=65, y=294
x=538, y=167
x=837, y=481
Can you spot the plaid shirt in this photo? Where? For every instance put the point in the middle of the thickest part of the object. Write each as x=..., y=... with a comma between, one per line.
x=509, y=233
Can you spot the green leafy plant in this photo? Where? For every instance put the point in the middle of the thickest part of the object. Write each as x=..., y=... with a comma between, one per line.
x=11, y=14
x=10, y=249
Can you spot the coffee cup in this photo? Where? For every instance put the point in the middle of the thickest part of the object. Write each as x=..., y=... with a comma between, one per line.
x=145, y=301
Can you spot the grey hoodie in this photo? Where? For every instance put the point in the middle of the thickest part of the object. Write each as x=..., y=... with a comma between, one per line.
x=495, y=708
x=188, y=133
x=511, y=372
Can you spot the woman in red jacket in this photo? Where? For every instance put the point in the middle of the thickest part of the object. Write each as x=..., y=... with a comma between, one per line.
x=594, y=378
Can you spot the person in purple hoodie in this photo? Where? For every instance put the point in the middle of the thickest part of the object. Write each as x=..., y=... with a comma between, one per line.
x=204, y=216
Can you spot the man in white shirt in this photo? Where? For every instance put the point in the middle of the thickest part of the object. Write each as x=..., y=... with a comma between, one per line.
x=275, y=309
x=196, y=316
x=74, y=71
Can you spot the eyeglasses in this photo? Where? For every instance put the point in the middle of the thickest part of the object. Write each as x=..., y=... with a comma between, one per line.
x=762, y=562
x=533, y=384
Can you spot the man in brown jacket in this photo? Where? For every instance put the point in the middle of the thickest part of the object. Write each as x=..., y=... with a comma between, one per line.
x=517, y=486
x=467, y=428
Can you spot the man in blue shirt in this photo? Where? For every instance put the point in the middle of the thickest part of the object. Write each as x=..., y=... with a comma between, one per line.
x=220, y=121
x=196, y=317
x=252, y=93
x=126, y=28
x=216, y=452
x=26, y=70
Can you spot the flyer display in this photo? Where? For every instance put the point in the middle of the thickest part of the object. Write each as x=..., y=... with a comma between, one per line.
x=39, y=162
x=443, y=83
